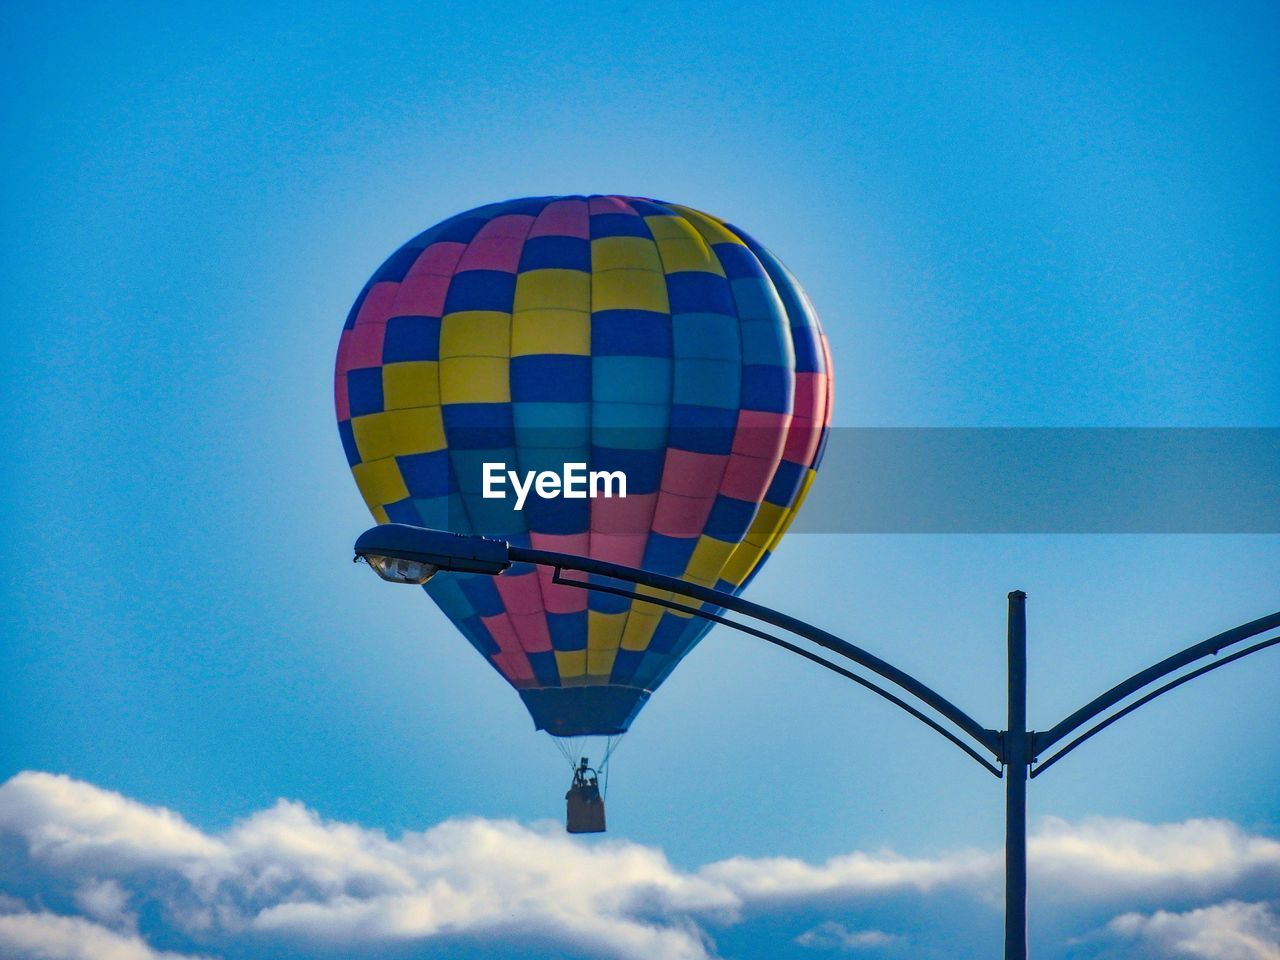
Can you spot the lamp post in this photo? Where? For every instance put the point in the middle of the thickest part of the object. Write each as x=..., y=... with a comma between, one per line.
x=401, y=553
x=1016, y=763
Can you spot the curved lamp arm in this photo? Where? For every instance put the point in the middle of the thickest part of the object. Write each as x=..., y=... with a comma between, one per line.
x=404, y=553
x=989, y=739
x=1143, y=678
x=1098, y=728
x=429, y=551
x=790, y=647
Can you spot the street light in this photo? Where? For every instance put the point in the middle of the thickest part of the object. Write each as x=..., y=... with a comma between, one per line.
x=1016, y=749
x=399, y=553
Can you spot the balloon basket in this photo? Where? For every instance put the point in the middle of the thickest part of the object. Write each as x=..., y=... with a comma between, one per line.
x=584, y=814
x=584, y=806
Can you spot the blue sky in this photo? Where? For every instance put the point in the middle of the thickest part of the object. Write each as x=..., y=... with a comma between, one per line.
x=1006, y=216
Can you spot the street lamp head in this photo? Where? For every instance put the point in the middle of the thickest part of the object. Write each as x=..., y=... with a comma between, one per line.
x=398, y=570
x=401, y=553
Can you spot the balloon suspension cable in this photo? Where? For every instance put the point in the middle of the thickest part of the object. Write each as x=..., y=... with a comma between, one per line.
x=559, y=745
x=611, y=744
x=571, y=748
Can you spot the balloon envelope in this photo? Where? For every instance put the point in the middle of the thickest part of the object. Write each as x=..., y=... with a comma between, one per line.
x=629, y=335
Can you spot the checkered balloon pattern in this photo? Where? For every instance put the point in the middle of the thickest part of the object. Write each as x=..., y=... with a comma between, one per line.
x=627, y=334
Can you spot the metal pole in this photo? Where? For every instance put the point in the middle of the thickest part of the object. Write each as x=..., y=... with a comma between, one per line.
x=1015, y=809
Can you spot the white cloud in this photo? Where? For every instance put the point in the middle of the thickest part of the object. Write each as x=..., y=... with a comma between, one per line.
x=1105, y=857
x=1098, y=858
x=469, y=876
x=74, y=824
x=105, y=901
x=785, y=878
x=1225, y=931
x=836, y=936
x=48, y=936
x=285, y=874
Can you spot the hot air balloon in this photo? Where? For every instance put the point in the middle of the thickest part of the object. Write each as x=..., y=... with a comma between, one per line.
x=626, y=334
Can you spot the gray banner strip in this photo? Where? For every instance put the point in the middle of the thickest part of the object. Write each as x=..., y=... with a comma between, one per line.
x=1046, y=480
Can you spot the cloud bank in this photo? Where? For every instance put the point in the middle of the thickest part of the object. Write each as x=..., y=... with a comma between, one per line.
x=285, y=876
x=832, y=935
x=48, y=936
x=1225, y=931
